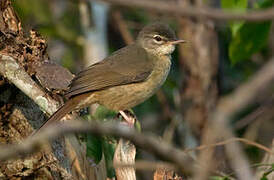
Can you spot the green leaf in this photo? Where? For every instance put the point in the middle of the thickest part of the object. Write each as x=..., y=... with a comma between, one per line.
x=264, y=177
x=238, y=6
x=249, y=39
x=109, y=149
x=104, y=113
x=94, y=148
x=218, y=178
x=235, y=26
x=36, y=10
x=138, y=126
x=261, y=4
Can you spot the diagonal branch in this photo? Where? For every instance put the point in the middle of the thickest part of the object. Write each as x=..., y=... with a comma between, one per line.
x=16, y=74
x=246, y=93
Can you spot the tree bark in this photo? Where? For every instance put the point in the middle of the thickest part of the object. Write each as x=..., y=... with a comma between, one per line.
x=25, y=63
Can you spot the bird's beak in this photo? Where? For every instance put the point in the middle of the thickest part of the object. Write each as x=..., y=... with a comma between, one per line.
x=178, y=41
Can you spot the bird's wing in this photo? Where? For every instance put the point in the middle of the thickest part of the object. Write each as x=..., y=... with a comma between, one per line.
x=117, y=69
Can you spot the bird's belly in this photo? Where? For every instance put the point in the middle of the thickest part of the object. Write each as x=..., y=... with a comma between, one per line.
x=129, y=95
x=125, y=96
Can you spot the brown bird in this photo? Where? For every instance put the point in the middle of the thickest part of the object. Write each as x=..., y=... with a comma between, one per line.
x=127, y=77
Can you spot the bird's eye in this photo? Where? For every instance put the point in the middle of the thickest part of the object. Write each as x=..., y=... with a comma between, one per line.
x=157, y=38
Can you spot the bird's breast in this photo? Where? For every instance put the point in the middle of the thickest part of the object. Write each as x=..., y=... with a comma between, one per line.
x=129, y=95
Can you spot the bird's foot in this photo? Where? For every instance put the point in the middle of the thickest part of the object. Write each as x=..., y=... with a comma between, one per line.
x=129, y=120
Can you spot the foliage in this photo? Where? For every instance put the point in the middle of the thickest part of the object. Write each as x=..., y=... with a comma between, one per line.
x=238, y=6
x=64, y=28
x=219, y=178
x=94, y=148
x=99, y=146
x=247, y=37
x=108, y=150
x=264, y=177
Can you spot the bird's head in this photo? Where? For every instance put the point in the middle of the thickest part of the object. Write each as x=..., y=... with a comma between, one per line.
x=158, y=38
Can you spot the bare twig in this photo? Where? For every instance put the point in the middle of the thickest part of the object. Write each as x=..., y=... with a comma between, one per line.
x=263, y=109
x=149, y=143
x=190, y=11
x=122, y=27
x=260, y=146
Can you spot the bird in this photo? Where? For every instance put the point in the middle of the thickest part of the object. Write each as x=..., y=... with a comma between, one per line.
x=127, y=77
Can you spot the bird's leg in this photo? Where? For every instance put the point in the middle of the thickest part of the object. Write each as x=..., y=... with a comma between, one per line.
x=129, y=120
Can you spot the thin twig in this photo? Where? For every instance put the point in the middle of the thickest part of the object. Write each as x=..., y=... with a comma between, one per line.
x=263, y=109
x=190, y=11
x=260, y=146
x=122, y=26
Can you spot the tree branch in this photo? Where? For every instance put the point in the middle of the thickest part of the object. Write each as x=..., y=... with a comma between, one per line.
x=149, y=143
x=190, y=11
x=245, y=94
x=16, y=74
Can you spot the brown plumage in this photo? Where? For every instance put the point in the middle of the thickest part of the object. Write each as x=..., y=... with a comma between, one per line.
x=112, y=72
x=127, y=77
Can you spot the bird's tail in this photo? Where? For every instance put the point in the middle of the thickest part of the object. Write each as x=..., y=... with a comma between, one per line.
x=69, y=106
